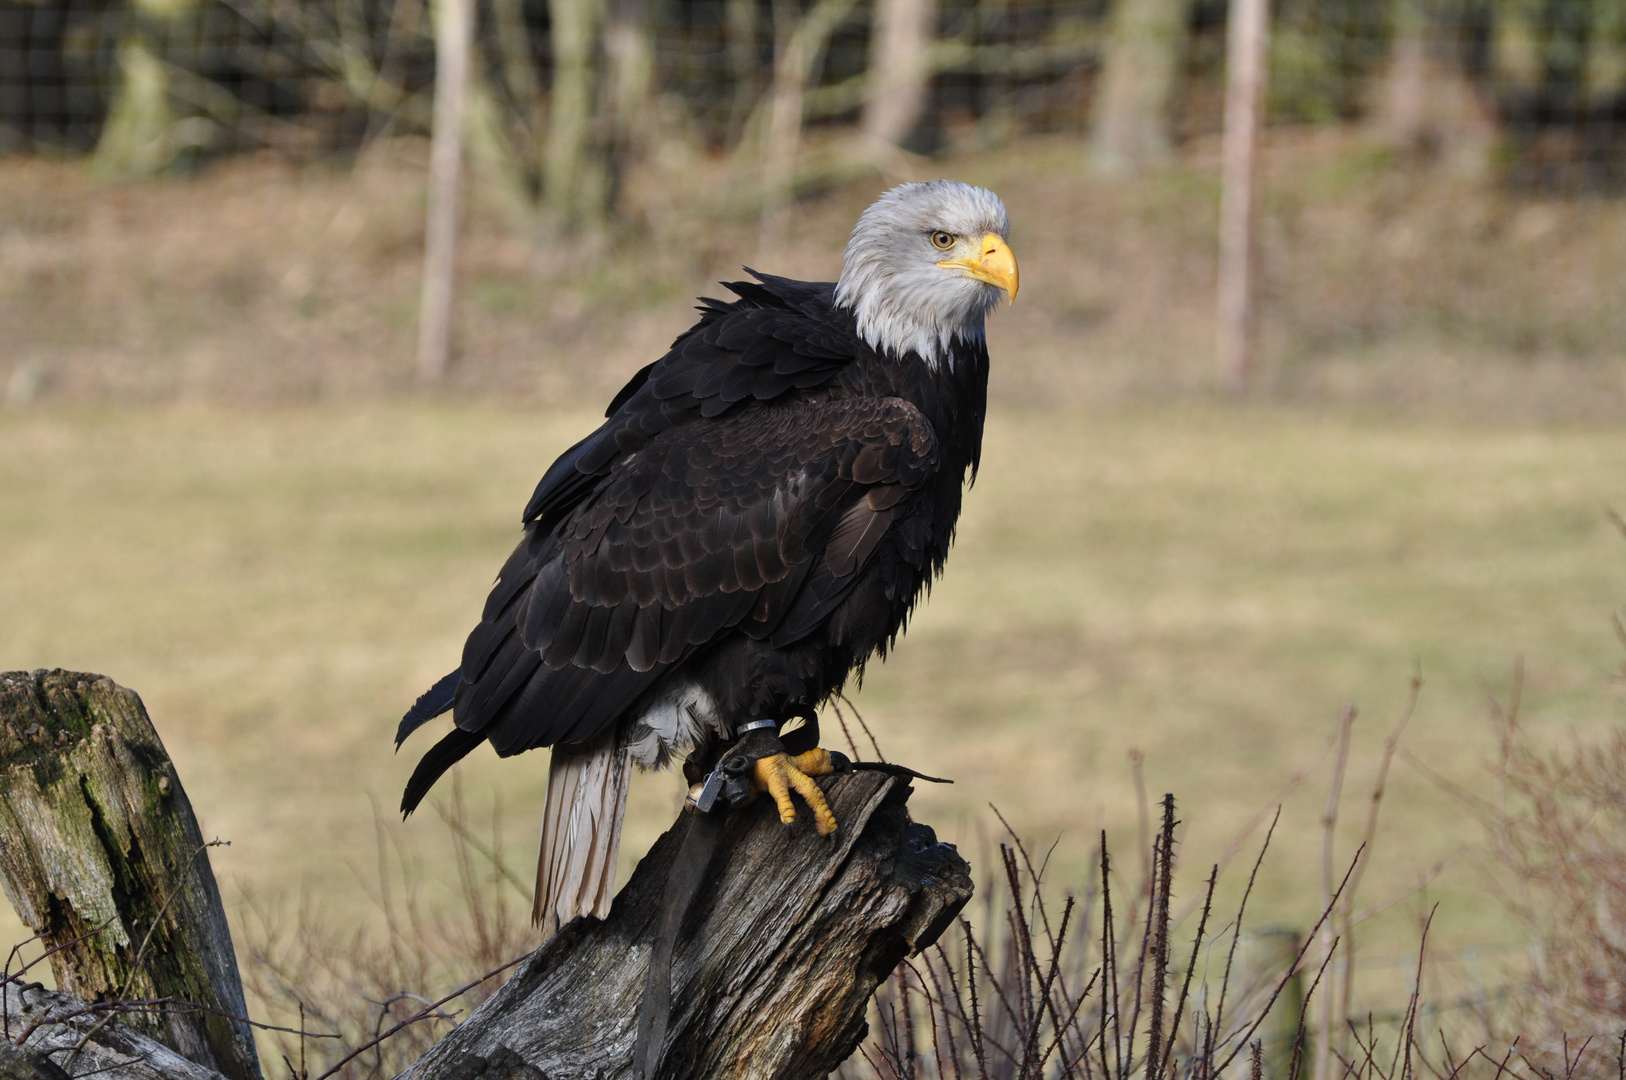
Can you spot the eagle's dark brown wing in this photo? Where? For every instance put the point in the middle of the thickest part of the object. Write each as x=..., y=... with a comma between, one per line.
x=779, y=337
x=758, y=523
x=669, y=528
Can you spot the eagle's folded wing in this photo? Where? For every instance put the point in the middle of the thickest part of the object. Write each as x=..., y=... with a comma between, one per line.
x=758, y=523
x=766, y=345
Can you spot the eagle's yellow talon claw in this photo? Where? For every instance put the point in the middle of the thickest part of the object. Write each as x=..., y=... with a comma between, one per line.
x=779, y=774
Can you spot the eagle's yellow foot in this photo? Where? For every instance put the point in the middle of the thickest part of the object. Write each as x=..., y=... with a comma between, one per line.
x=779, y=774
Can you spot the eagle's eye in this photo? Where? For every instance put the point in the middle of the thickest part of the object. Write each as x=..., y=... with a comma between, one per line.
x=942, y=241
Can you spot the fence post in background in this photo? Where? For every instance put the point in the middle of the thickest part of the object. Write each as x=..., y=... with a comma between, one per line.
x=1246, y=35
x=1130, y=126
x=799, y=45
x=454, y=27
x=898, y=66
x=1264, y=956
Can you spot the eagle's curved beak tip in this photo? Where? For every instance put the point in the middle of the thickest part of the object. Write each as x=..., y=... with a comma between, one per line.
x=995, y=263
x=999, y=262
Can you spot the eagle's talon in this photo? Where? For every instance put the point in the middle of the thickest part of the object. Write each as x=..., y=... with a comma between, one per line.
x=820, y=762
x=779, y=774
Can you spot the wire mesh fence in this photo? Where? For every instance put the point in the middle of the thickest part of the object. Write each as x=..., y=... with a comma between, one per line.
x=1534, y=88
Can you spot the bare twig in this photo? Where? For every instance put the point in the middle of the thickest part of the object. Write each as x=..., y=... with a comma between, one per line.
x=1292, y=968
x=1329, y=821
x=423, y=1014
x=1236, y=927
x=1346, y=929
x=847, y=701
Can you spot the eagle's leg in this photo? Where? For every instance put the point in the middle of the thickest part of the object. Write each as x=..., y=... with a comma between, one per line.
x=780, y=774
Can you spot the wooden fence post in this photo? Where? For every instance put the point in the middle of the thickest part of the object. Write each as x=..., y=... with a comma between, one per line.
x=98, y=843
x=454, y=26
x=1247, y=35
x=1265, y=956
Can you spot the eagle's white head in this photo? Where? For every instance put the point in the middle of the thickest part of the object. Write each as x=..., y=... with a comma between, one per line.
x=925, y=265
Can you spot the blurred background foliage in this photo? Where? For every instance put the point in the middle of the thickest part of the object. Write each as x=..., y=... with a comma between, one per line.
x=151, y=84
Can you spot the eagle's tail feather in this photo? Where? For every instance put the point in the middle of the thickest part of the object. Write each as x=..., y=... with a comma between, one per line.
x=581, y=833
x=430, y=704
x=451, y=749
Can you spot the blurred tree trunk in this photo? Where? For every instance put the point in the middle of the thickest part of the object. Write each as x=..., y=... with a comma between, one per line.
x=741, y=18
x=518, y=62
x=1429, y=108
x=1566, y=40
x=629, y=53
x=898, y=67
x=1516, y=49
x=1406, y=82
x=503, y=149
x=1606, y=59
x=1130, y=128
x=799, y=45
x=573, y=182
x=137, y=137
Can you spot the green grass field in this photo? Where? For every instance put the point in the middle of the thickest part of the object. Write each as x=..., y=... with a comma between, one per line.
x=1203, y=582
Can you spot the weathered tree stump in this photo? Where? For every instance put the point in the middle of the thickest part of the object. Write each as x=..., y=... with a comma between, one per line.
x=785, y=941
x=774, y=967
x=51, y=1036
x=98, y=843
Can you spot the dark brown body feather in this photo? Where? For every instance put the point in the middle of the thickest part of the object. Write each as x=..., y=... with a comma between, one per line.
x=757, y=516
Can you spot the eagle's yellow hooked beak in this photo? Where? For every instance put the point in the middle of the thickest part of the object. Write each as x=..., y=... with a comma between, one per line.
x=994, y=263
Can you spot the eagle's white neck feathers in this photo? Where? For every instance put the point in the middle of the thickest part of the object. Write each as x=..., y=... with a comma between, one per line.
x=903, y=301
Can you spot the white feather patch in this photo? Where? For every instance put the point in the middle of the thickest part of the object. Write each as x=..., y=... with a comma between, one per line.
x=672, y=724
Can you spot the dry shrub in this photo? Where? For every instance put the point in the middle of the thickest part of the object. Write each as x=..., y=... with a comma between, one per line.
x=1102, y=984
x=1112, y=983
x=1033, y=995
x=1041, y=990
x=1556, y=821
x=383, y=998
x=1559, y=825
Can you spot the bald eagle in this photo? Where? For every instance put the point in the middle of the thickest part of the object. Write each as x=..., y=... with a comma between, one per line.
x=753, y=521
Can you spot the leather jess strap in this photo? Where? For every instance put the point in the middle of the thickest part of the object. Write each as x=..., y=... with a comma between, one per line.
x=731, y=778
